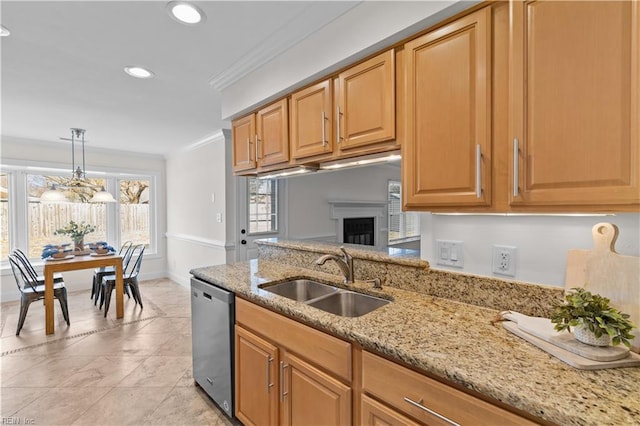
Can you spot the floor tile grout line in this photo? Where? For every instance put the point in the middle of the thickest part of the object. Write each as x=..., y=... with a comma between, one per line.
x=85, y=333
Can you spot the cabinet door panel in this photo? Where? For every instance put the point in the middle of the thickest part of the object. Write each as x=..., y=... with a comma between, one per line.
x=574, y=103
x=375, y=414
x=447, y=157
x=313, y=397
x=256, y=379
x=273, y=134
x=366, y=102
x=244, y=132
x=310, y=134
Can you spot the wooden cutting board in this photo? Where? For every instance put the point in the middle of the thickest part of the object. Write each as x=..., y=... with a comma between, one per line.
x=603, y=271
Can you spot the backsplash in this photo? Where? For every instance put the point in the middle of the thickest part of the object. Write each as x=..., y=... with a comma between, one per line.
x=415, y=275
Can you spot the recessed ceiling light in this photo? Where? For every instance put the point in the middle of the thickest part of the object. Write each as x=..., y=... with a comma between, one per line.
x=3, y=31
x=138, y=72
x=185, y=13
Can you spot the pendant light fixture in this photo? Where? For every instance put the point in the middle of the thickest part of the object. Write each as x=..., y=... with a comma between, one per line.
x=78, y=178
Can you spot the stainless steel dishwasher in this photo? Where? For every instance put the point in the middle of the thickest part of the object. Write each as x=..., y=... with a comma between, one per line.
x=212, y=321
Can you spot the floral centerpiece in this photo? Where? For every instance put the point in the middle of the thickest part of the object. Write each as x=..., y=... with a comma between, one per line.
x=76, y=231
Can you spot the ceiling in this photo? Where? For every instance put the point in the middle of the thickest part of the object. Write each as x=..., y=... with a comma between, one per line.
x=62, y=66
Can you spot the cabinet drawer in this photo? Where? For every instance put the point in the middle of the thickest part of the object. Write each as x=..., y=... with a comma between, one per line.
x=331, y=353
x=397, y=385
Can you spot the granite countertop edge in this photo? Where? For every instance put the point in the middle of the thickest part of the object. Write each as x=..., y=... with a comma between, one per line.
x=454, y=341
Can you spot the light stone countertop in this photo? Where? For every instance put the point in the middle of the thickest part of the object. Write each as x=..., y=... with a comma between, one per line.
x=455, y=341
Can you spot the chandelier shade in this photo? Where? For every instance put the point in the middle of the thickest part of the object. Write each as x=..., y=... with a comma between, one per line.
x=78, y=178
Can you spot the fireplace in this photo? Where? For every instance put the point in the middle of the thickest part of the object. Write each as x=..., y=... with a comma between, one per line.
x=359, y=230
x=360, y=221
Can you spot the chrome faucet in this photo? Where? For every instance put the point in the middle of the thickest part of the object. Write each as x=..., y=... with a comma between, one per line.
x=345, y=263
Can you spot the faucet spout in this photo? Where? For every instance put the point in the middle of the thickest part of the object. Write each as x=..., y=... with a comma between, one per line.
x=345, y=263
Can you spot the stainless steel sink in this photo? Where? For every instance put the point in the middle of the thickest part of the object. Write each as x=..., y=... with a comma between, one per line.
x=301, y=290
x=348, y=303
x=326, y=297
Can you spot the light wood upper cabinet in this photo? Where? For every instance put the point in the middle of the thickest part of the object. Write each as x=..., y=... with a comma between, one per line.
x=272, y=146
x=312, y=121
x=261, y=140
x=574, y=105
x=365, y=113
x=256, y=383
x=243, y=133
x=446, y=159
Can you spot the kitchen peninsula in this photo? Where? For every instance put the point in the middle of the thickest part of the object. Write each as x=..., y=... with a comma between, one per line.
x=436, y=325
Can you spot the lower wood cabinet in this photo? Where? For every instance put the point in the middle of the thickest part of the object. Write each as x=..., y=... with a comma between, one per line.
x=404, y=392
x=288, y=373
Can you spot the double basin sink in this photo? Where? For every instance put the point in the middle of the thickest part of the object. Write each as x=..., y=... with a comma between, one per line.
x=326, y=297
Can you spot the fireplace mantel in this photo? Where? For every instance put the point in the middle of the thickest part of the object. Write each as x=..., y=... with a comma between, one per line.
x=341, y=209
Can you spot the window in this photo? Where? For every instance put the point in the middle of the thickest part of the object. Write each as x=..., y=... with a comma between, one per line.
x=402, y=226
x=263, y=205
x=134, y=211
x=28, y=224
x=44, y=219
x=5, y=241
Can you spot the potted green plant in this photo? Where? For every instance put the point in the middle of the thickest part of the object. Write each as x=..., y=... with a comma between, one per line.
x=76, y=231
x=594, y=321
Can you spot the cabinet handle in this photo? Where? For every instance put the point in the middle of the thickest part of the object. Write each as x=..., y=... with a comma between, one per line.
x=257, y=143
x=422, y=407
x=478, y=171
x=324, y=136
x=249, y=148
x=269, y=384
x=338, y=137
x=516, y=148
x=282, y=392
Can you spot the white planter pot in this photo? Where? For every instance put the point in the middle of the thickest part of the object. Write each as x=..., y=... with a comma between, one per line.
x=584, y=335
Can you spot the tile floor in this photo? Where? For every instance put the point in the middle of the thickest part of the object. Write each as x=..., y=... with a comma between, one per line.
x=103, y=371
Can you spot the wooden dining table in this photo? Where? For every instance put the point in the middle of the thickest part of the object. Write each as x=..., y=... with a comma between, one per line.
x=73, y=264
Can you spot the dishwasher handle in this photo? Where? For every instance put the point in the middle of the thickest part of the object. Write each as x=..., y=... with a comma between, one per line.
x=211, y=291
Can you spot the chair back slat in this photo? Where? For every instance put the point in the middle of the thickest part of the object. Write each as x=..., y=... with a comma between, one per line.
x=21, y=274
x=137, y=252
x=25, y=261
x=126, y=246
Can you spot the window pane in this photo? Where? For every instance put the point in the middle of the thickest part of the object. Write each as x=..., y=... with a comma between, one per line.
x=4, y=216
x=134, y=211
x=263, y=205
x=401, y=225
x=44, y=219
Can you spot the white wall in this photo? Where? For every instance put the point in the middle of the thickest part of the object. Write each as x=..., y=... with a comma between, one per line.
x=309, y=210
x=199, y=187
x=367, y=28
x=25, y=152
x=542, y=241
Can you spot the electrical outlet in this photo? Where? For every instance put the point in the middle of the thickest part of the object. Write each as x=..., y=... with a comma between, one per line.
x=219, y=217
x=450, y=253
x=504, y=260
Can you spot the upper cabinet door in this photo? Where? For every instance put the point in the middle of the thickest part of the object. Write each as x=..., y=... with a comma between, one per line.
x=312, y=121
x=365, y=112
x=446, y=159
x=244, y=132
x=272, y=146
x=574, y=99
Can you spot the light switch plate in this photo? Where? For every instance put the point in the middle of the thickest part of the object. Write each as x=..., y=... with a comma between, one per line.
x=450, y=253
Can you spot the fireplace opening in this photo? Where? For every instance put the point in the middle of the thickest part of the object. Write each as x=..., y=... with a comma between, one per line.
x=359, y=230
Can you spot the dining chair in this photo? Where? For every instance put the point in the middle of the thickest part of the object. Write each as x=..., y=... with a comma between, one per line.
x=98, y=273
x=130, y=280
x=57, y=277
x=31, y=290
